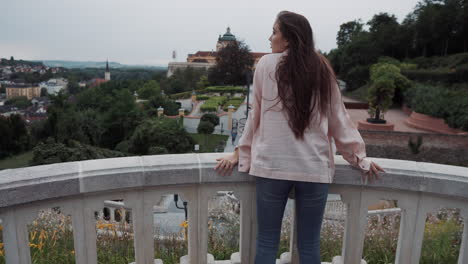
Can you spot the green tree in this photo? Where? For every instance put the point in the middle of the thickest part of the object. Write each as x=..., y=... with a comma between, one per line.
x=21, y=102
x=232, y=63
x=49, y=152
x=384, y=30
x=203, y=82
x=15, y=137
x=73, y=87
x=160, y=132
x=348, y=31
x=6, y=140
x=150, y=88
x=44, y=92
x=385, y=79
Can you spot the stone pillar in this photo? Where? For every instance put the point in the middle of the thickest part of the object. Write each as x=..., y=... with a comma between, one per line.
x=181, y=112
x=230, y=110
x=160, y=111
x=194, y=96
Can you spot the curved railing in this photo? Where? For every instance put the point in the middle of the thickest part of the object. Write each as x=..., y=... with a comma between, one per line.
x=80, y=189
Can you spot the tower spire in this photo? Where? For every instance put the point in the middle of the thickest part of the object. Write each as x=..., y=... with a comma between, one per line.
x=107, y=76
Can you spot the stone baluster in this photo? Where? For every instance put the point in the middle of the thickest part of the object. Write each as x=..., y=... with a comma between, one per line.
x=198, y=224
x=247, y=225
x=356, y=220
x=142, y=212
x=84, y=232
x=463, y=256
x=411, y=234
x=15, y=236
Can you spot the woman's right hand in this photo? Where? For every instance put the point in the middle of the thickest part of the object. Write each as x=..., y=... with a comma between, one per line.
x=227, y=163
x=373, y=173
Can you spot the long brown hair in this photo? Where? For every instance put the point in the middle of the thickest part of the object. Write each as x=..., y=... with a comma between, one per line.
x=304, y=76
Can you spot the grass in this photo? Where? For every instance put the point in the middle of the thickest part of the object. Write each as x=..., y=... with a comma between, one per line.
x=358, y=94
x=208, y=143
x=17, y=161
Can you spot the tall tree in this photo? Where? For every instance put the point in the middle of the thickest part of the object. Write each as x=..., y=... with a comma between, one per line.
x=348, y=31
x=384, y=30
x=232, y=63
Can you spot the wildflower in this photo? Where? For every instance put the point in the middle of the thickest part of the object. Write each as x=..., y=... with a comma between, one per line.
x=33, y=235
x=184, y=224
x=43, y=235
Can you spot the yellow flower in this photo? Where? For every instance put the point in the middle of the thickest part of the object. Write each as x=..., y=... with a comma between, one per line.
x=40, y=245
x=1, y=253
x=43, y=235
x=72, y=252
x=32, y=245
x=184, y=224
x=33, y=235
x=1, y=228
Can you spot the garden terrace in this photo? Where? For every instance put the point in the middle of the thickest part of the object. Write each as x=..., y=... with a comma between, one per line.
x=80, y=189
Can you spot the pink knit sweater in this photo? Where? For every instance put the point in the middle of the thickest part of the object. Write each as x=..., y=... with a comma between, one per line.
x=269, y=149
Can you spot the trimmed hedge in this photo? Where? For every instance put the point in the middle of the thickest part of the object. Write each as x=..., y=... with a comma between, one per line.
x=226, y=89
x=235, y=101
x=446, y=76
x=186, y=95
x=447, y=62
x=441, y=102
x=202, y=97
x=212, y=104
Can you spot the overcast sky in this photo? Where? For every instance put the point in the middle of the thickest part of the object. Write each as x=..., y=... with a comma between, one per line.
x=147, y=31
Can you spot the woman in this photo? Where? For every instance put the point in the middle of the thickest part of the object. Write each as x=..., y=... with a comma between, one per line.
x=287, y=141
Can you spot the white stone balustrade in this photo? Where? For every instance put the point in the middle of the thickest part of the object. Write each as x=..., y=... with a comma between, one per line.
x=81, y=188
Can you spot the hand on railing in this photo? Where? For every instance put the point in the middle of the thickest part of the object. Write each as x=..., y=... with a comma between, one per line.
x=373, y=173
x=227, y=163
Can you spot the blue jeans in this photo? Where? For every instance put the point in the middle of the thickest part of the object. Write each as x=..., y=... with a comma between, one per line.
x=272, y=196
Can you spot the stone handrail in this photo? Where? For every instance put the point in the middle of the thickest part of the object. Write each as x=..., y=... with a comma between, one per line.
x=80, y=189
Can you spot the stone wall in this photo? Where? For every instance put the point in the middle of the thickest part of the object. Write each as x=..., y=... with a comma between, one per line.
x=436, y=148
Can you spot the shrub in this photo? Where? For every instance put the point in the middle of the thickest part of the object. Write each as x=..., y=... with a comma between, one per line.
x=157, y=150
x=427, y=99
x=234, y=101
x=356, y=77
x=389, y=60
x=212, y=118
x=208, y=108
x=205, y=127
x=52, y=152
x=432, y=76
x=439, y=101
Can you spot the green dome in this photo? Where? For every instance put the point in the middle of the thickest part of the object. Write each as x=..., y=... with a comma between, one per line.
x=228, y=36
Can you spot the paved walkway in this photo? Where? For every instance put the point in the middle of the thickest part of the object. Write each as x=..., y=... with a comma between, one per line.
x=395, y=116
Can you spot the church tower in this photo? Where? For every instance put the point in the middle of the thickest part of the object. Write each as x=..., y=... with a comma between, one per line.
x=107, y=74
x=227, y=38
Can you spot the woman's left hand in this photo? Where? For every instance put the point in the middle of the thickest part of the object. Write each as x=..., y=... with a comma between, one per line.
x=226, y=164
